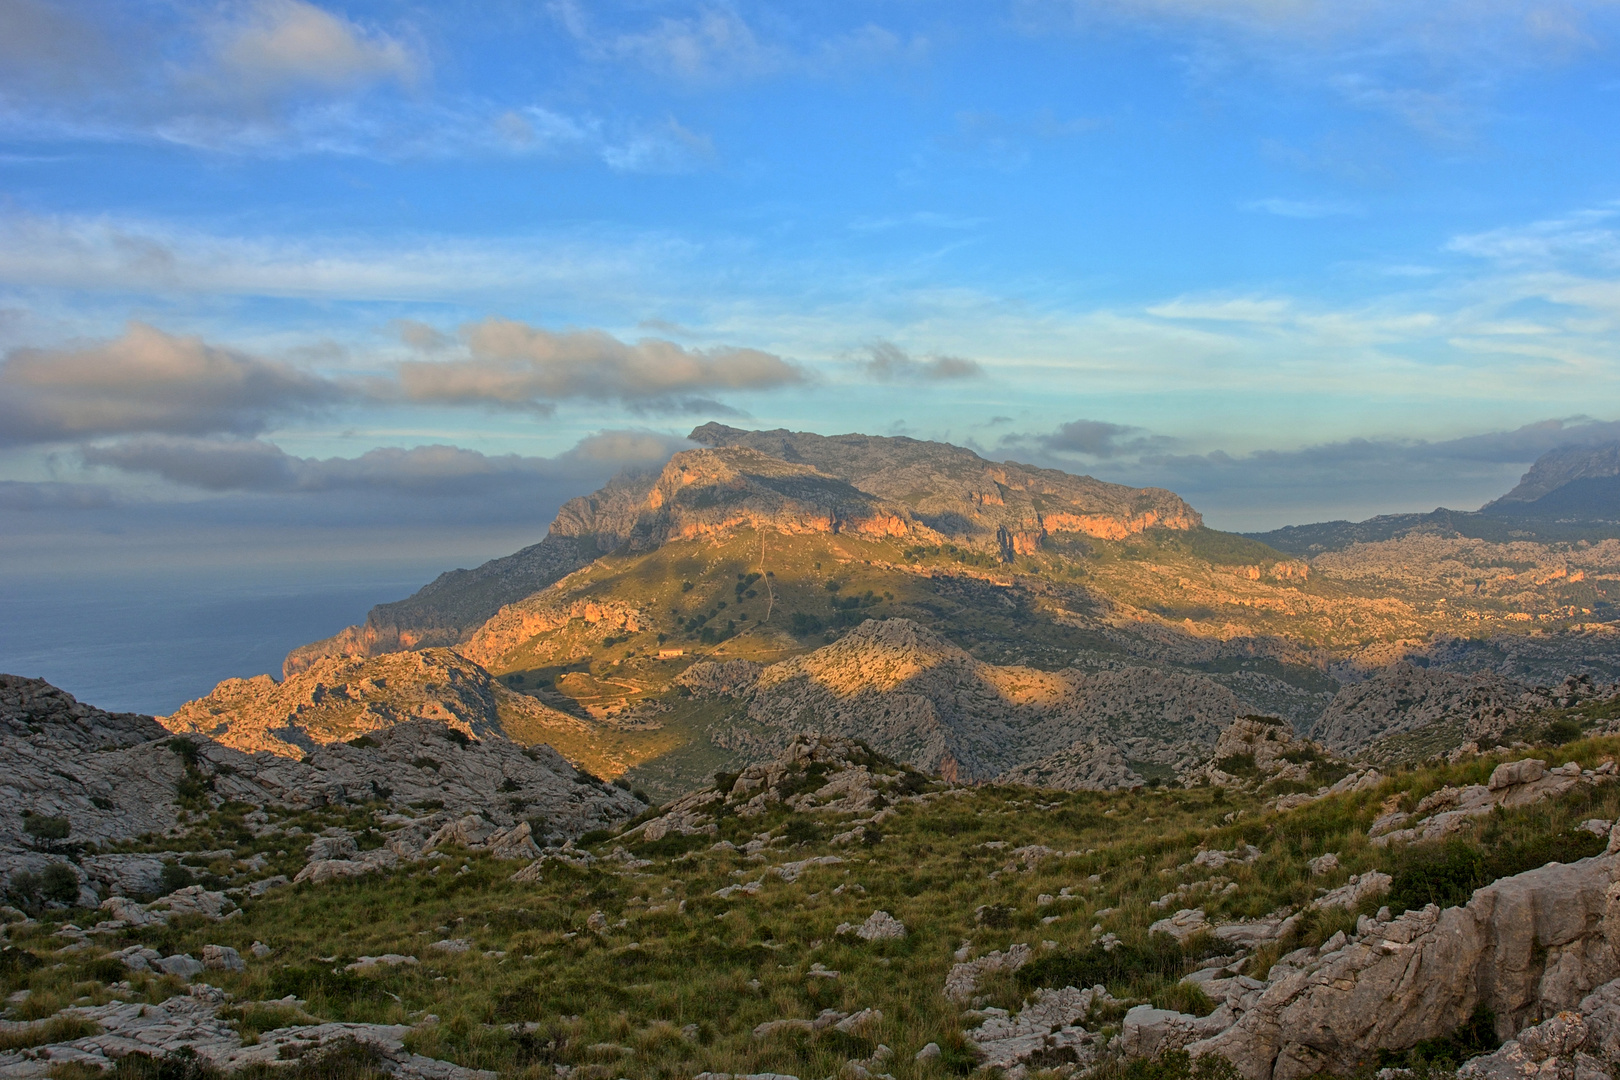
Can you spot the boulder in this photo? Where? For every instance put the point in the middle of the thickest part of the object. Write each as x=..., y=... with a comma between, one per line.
x=222, y=958
x=182, y=965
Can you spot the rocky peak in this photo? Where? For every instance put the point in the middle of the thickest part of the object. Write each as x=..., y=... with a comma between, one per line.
x=1560, y=467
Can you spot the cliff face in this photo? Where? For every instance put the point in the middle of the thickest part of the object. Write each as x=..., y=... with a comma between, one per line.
x=791, y=483
x=962, y=496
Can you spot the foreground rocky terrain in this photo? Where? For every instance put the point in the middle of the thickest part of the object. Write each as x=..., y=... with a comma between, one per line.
x=827, y=912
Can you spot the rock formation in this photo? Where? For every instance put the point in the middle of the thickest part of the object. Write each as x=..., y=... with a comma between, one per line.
x=338, y=699
x=913, y=695
x=74, y=776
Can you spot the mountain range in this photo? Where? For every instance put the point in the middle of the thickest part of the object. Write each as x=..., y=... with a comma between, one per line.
x=974, y=618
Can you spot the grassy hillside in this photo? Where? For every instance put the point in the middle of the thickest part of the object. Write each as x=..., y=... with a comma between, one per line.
x=671, y=979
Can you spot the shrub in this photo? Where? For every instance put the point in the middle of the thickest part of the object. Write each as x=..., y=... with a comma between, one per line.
x=1170, y=1065
x=801, y=830
x=595, y=836
x=59, y=883
x=1184, y=997
x=186, y=749
x=457, y=736
x=424, y=763
x=509, y=785
x=183, y=1064
x=1560, y=732
x=803, y=625
x=42, y=827
x=175, y=877
x=363, y=742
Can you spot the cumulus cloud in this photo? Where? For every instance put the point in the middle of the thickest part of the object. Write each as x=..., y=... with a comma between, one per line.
x=1090, y=438
x=254, y=465
x=275, y=47
x=149, y=381
x=887, y=362
x=510, y=364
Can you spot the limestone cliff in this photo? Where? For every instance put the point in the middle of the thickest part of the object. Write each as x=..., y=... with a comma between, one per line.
x=789, y=482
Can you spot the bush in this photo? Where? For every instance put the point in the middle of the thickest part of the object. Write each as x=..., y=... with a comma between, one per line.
x=42, y=827
x=59, y=883
x=363, y=742
x=1560, y=732
x=186, y=749
x=595, y=836
x=1170, y=1065
x=1184, y=997
x=803, y=625
x=175, y=877
x=801, y=830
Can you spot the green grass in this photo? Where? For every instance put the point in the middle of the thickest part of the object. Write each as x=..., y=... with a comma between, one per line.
x=679, y=986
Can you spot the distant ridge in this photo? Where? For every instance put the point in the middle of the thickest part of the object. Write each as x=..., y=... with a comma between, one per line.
x=1571, y=493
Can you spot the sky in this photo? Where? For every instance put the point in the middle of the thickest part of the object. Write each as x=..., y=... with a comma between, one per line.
x=320, y=286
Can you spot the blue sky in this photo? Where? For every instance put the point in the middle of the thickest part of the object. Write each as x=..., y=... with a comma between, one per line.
x=276, y=267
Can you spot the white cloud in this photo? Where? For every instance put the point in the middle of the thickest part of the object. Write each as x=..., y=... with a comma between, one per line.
x=887, y=362
x=270, y=48
x=716, y=45
x=149, y=381
x=1302, y=208
x=510, y=364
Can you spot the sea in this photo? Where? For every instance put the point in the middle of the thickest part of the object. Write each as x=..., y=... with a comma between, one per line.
x=153, y=642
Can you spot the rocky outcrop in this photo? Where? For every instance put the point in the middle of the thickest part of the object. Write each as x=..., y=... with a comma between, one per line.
x=914, y=696
x=347, y=699
x=1511, y=784
x=189, y=1022
x=960, y=494
x=1525, y=946
x=1088, y=765
x=94, y=778
x=519, y=624
x=1403, y=698
x=814, y=773
x=727, y=678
